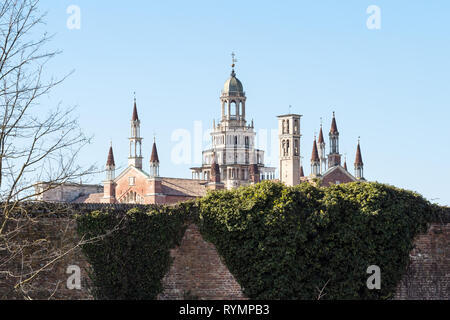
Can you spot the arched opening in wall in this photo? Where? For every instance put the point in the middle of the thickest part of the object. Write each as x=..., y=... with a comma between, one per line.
x=296, y=129
x=233, y=109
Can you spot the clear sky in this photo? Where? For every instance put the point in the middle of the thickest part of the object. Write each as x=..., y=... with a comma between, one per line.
x=390, y=86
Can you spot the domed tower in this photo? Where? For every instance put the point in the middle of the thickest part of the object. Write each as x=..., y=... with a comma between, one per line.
x=233, y=100
x=233, y=142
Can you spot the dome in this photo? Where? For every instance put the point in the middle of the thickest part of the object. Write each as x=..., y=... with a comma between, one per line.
x=233, y=86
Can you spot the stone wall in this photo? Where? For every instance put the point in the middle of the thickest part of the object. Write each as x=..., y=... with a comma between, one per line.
x=197, y=272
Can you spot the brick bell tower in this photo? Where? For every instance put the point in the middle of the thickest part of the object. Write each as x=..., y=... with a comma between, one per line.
x=334, y=158
x=289, y=139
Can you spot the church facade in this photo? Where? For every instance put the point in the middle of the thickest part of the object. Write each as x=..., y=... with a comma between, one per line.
x=232, y=161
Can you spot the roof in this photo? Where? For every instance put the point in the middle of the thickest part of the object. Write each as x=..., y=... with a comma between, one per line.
x=110, y=161
x=320, y=141
x=315, y=154
x=91, y=198
x=183, y=187
x=333, y=129
x=358, y=158
x=154, y=157
x=233, y=86
x=135, y=116
x=338, y=168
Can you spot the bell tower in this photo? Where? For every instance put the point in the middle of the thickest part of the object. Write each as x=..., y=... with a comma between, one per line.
x=334, y=157
x=135, y=158
x=289, y=139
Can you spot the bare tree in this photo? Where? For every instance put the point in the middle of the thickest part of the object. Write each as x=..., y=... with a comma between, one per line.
x=37, y=142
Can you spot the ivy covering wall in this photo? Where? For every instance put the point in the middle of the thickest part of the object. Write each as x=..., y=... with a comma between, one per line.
x=130, y=251
x=301, y=242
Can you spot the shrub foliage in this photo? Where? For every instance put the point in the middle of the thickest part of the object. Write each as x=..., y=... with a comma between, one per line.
x=305, y=242
x=132, y=254
x=301, y=242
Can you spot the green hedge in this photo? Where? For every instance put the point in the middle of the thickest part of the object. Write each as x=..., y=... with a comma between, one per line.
x=130, y=262
x=279, y=242
x=292, y=242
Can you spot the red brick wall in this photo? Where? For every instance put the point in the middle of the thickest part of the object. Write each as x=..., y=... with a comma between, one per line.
x=428, y=275
x=198, y=272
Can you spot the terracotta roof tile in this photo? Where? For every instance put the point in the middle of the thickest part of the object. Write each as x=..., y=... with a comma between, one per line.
x=315, y=153
x=154, y=157
x=358, y=158
x=320, y=141
x=110, y=161
x=135, y=113
x=333, y=129
x=183, y=187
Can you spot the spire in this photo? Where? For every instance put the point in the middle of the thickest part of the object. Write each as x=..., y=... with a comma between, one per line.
x=315, y=153
x=110, y=161
x=110, y=165
x=315, y=160
x=358, y=158
x=321, y=140
x=154, y=157
x=345, y=165
x=302, y=174
x=135, y=113
x=333, y=129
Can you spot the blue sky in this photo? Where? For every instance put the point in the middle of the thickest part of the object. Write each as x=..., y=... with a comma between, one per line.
x=389, y=86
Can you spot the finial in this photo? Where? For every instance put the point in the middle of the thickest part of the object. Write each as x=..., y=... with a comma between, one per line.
x=333, y=114
x=359, y=139
x=290, y=107
x=134, y=93
x=233, y=60
x=110, y=143
x=154, y=137
x=321, y=122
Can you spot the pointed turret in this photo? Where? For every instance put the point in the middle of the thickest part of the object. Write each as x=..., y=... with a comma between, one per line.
x=110, y=162
x=135, y=116
x=109, y=187
x=334, y=158
x=359, y=165
x=315, y=160
x=135, y=157
x=154, y=161
x=334, y=129
x=302, y=174
x=322, y=151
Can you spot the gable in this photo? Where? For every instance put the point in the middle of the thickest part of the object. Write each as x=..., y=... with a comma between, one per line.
x=337, y=175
